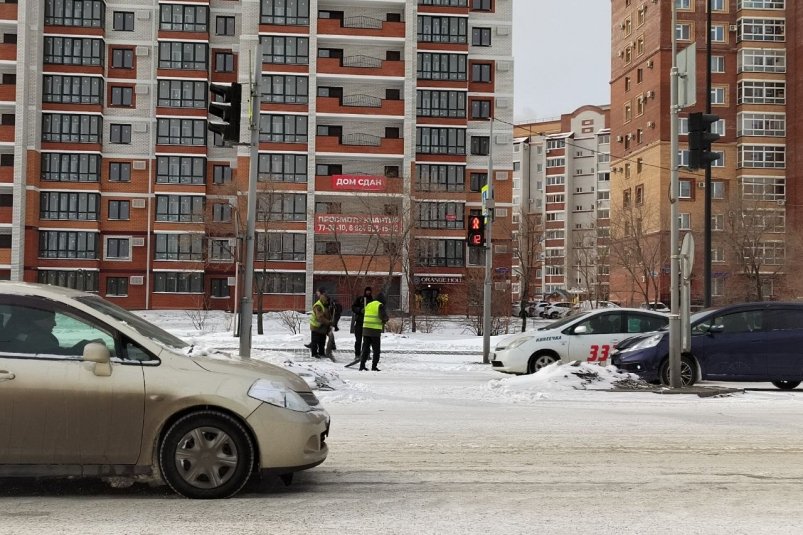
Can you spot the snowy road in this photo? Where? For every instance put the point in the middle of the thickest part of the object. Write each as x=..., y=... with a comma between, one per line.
x=431, y=445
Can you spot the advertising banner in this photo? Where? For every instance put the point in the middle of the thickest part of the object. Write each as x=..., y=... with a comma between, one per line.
x=359, y=182
x=357, y=224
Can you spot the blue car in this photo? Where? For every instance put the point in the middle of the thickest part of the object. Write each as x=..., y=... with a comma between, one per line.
x=754, y=342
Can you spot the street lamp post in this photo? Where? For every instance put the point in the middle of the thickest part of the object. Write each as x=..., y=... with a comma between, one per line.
x=489, y=207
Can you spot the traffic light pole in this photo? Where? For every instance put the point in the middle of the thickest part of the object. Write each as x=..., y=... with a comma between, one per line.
x=708, y=192
x=674, y=190
x=486, y=296
x=247, y=306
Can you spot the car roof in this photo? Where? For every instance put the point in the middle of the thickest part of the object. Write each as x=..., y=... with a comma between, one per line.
x=33, y=288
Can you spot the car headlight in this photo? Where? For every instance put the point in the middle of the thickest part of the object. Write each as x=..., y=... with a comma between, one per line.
x=646, y=343
x=277, y=394
x=513, y=344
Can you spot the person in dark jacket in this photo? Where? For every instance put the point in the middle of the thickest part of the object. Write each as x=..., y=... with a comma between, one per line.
x=374, y=319
x=356, y=323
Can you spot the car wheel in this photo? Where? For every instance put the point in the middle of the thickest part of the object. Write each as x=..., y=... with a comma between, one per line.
x=688, y=372
x=206, y=455
x=539, y=361
x=786, y=385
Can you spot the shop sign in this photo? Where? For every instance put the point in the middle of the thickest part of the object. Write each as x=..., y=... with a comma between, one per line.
x=358, y=182
x=437, y=279
x=357, y=224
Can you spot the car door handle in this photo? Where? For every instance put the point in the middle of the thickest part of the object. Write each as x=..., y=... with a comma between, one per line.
x=6, y=375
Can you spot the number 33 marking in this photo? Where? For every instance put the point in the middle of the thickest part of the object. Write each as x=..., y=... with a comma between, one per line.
x=599, y=356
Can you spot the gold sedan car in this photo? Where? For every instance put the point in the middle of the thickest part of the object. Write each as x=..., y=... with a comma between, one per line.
x=88, y=389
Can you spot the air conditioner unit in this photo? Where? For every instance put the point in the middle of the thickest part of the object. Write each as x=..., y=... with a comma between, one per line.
x=622, y=26
x=621, y=53
x=137, y=203
x=651, y=124
x=701, y=185
x=649, y=64
x=619, y=139
x=650, y=94
x=629, y=137
x=136, y=280
x=780, y=202
x=231, y=281
x=139, y=165
x=138, y=242
x=733, y=27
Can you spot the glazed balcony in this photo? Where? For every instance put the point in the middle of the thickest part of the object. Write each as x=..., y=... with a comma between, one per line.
x=360, y=143
x=360, y=26
x=360, y=105
x=361, y=65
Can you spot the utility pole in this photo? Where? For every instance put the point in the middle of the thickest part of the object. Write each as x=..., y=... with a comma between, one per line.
x=674, y=191
x=488, y=205
x=708, y=193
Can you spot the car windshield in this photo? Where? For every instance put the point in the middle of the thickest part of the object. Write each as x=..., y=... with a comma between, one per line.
x=145, y=328
x=560, y=323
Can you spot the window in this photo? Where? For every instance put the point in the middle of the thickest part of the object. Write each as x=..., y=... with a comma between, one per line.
x=70, y=167
x=122, y=58
x=480, y=145
x=480, y=108
x=717, y=189
x=281, y=12
x=82, y=13
x=224, y=62
x=181, y=131
x=431, y=177
x=67, y=244
x=761, y=124
x=628, y=112
x=221, y=212
x=183, y=18
x=282, y=168
x=185, y=56
x=718, y=33
x=285, y=50
x=683, y=32
x=72, y=89
x=441, y=215
x=224, y=25
x=750, y=29
x=639, y=195
x=771, y=253
x=83, y=280
x=123, y=21
x=71, y=128
x=280, y=283
x=718, y=95
x=120, y=172
x=761, y=92
x=717, y=5
x=281, y=246
x=481, y=72
x=481, y=5
x=684, y=221
x=717, y=64
x=432, y=140
x=284, y=89
x=120, y=210
x=180, y=170
x=718, y=222
x=685, y=189
x=450, y=253
x=762, y=156
x=442, y=29
x=435, y=66
x=179, y=247
x=178, y=282
x=118, y=248
x=477, y=181
x=221, y=174
x=181, y=208
x=221, y=249
x=122, y=96
x=437, y=103
x=760, y=4
x=68, y=205
x=764, y=188
x=120, y=133
x=447, y=3
x=219, y=288
x=182, y=94
x=282, y=207
x=117, y=286
x=480, y=36
x=283, y=128
x=683, y=4
x=640, y=52
x=717, y=286
x=73, y=51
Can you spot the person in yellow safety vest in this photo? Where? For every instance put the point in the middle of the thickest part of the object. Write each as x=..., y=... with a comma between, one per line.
x=319, y=322
x=374, y=319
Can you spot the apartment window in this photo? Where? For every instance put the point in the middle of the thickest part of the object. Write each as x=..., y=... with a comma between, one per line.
x=65, y=205
x=117, y=286
x=762, y=60
x=68, y=244
x=763, y=188
x=281, y=246
x=285, y=50
x=123, y=21
x=441, y=215
x=717, y=255
x=120, y=210
x=433, y=177
x=480, y=145
x=120, y=172
x=437, y=29
x=327, y=247
x=224, y=62
x=181, y=208
x=182, y=94
x=283, y=128
x=718, y=33
x=760, y=4
x=450, y=253
x=122, y=58
x=639, y=195
x=480, y=36
x=282, y=168
x=683, y=32
x=553, y=144
x=432, y=140
x=717, y=64
x=72, y=89
x=761, y=124
x=640, y=104
x=436, y=66
x=284, y=89
x=118, y=248
x=640, y=50
x=73, y=51
x=477, y=181
x=683, y=4
x=685, y=189
x=224, y=25
x=77, y=279
x=219, y=288
x=179, y=247
x=120, y=133
x=183, y=18
x=481, y=72
x=178, y=282
x=181, y=131
x=761, y=92
x=440, y=103
x=282, y=207
x=71, y=128
x=481, y=5
x=446, y=3
x=718, y=222
x=221, y=174
x=628, y=112
x=70, y=167
x=717, y=5
x=280, y=283
x=684, y=221
x=281, y=12
x=480, y=108
x=183, y=56
x=641, y=16
x=628, y=84
x=762, y=156
x=556, y=162
x=221, y=249
x=718, y=95
x=122, y=96
x=750, y=29
x=82, y=13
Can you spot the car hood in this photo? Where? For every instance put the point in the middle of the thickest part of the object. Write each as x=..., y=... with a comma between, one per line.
x=254, y=369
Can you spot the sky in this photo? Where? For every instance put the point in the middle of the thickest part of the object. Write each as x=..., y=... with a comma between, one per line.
x=560, y=65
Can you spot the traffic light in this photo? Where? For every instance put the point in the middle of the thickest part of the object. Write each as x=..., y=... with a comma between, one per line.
x=700, y=139
x=476, y=231
x=227, y=108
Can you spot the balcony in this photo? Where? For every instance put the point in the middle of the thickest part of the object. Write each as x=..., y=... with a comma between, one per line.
x=360, y=105
x=360, y=143
x=360, y=26
x=361, y=65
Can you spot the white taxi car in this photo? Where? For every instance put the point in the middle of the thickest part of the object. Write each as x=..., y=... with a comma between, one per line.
x=588, y=336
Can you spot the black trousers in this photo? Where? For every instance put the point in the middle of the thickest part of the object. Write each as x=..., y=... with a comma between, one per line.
x=370, y=343
x=358, y=341
x=318, y=348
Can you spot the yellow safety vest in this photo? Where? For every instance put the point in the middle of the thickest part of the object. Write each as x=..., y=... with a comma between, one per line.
x=371, y=319
x=313, y=319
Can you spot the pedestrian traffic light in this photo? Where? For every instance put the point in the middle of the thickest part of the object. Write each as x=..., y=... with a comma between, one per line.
x=700, y=139
x=228, y=108
x=476, y=231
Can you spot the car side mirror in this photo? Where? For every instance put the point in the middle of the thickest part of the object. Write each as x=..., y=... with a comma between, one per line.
x=716, y=329
x=99, y=354
x=581, y=329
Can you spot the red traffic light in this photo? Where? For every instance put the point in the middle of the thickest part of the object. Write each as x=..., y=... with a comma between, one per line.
x=476, y=231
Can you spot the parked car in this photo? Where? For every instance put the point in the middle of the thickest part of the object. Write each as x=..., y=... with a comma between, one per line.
x=88, y=389
x=656, y=306
x=556, y=310
x=746, y=342
x=588, y=336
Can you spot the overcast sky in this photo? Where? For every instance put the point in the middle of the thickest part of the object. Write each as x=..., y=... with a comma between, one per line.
x=561, y=50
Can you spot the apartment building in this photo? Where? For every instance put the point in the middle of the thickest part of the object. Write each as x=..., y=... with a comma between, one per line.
x=563, y=185
x=8, y=80
x=756, y=91
x=374, y=138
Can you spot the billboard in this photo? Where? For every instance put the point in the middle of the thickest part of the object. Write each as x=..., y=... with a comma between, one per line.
x=359, y=182
x=357, y=224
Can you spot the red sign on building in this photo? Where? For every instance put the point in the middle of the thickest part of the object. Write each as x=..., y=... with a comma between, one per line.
x=356, y=224
x=359, y=182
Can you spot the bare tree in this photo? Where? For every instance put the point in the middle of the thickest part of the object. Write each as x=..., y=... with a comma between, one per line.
x=527, y=243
